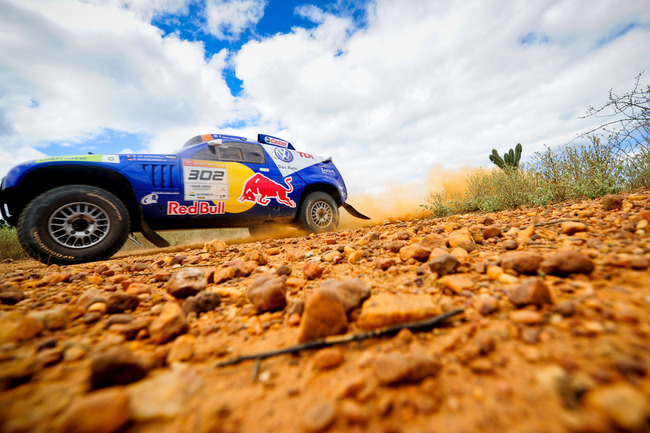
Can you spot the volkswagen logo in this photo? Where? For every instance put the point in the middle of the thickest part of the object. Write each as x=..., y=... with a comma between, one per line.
x=283, y=154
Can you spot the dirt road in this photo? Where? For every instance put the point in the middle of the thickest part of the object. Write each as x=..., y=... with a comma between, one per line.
x=554, y=334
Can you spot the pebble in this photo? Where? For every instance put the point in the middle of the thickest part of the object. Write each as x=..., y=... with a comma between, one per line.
x=268, y=293
x=570, y=228
x=202, y=303
x=103, y=411
x=385, y=309
x=52, y=319
x=16, y=326
x=323, y=315
x=10, y=294
x=526, y=317
x=318, y=417
x=510, y=244
x=182, y=349
x=215, y=246
x=328, y=358
x=186, y=282
x=163, y=396
x=352, y=291
x=612, y=202
x=415, y=251
x=312, y=270
x=169, y=324
x=533, y=291
x=623, y=404
x=492, y=232
x=564, y=263
x=116, y=366
x=390, y=369
x=121, y=302
x=444, y=264
x=457, y=283
x=220, y=275
x=522, y=262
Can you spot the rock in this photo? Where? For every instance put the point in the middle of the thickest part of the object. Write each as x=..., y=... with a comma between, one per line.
x=444, y=264
x=178, y=260
x=487, y=304
x=182, y=349
x=354, y=413
x=202, y=303
x=624, y=405
x=328, y=358
x=268, y=293
x=457, y=283
x=522, y=262
x=283, y=270
x=10, y=294
x=526, y=317
x=324, y=315
x=186, y=282
x=415, y=251
x=385, y=263
x=121, y=302
x=461, y=238
x=218, y=276
x=492, y=232
x=169, y=324
x=396, y=246
x=16, y=327
x=570, y=228
x=16, y=372
x=510, y=244
x=312, y=270
x=319, y=417
x=214, y=246
x=612, y=202
x=162, y=396
x=52, y=319
x=387, y=309
x=391, y=369
x=564, y=263
x=533, y=291
x=433, y=241
x=104, y=411
x=116, y=366
x=351, y=291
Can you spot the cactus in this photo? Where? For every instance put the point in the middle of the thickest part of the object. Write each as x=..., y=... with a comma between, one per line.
x=510, y=160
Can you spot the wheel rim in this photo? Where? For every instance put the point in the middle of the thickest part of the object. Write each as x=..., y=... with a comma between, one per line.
x=321, y=214
x=79, y=225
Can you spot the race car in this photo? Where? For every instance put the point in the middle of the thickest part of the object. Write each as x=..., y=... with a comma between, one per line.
x=74, y=209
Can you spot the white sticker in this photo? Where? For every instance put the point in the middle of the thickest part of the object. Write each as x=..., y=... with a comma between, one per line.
x=205, y=180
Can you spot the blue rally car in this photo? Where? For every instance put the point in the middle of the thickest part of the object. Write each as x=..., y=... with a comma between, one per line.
x=74, y=209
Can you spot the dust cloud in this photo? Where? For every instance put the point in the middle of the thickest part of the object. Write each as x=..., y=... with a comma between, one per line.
x=403, y=201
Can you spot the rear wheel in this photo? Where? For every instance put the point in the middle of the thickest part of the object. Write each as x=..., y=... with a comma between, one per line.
x=318, y=213
x=73, y=224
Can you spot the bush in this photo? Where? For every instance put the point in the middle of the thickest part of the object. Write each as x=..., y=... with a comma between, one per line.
x=9, y=246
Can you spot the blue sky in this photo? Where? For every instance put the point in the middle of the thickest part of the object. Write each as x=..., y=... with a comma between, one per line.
x=396, y=91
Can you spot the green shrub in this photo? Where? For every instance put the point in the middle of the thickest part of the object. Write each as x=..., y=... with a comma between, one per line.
x=9, y=246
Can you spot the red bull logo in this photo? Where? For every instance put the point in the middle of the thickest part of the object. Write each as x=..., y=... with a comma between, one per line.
x=196, y=208
x=260, y=189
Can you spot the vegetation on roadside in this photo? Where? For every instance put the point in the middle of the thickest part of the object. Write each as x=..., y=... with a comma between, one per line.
x=609, y=159
x=9, y=246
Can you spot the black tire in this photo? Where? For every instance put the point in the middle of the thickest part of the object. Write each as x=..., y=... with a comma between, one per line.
x=73, y=224
x=318, y=213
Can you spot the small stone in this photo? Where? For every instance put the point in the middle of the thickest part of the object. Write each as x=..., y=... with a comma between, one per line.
x=415, y=251
x=104, y=411
x=92, y=317
x=624, y=405
x=533, y=291
x=353, y=413
x=186, y=282
x=283, y=270
x=351, y=291
x=526, y=317
x=522, y=262
x=16, y=327
x=487, y=304
x=268, y=293
x=564, y=263
x=444, y=264
x=570, y=228
x=202, y=303
x=162, y=397
x=396, y=246
x=215, y=246
x=460, y=238
x=52, y=319
x=385, y=263
x=457, y=283
x=120, y=302
x=565, y=308
x=328, y=358
x=492, y=232
x=324, y=315
x=612, y=202
x=385, y=309
x=182, y=349
x=10, y=294
x=391, y=369
x=319, y=417
x=169, y=324
x=433, y=241
x=116, y=366
x=510, y=244
x=99, y=307
x=95, y=279
x=220, y=275
x=312, y=270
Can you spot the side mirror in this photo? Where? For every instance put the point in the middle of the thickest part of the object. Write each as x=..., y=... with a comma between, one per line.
x=326, y=160
x=215, y=143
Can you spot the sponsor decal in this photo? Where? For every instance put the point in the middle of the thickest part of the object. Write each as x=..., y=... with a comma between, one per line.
x=149, y=199
x=260, y=189
x=306, y=155
x=205, y=180
x=328, y=171
x=276, y=141
x=283, y=154
x=196, y=208
x=114, y=159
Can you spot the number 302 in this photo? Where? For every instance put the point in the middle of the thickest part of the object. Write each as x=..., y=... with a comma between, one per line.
x=206, y=175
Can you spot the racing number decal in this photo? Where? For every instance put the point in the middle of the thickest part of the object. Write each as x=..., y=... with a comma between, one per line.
x=207, y=175
x=205, y=180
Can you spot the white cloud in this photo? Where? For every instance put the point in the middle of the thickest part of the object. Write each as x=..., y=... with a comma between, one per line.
x=430, y=83
x=227, y=19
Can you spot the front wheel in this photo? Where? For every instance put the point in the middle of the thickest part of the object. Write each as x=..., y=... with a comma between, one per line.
x=318, y=213
x=73, y=224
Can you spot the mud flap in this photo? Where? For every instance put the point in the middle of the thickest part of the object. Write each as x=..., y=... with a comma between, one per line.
x=355, y=213
x=151, y=235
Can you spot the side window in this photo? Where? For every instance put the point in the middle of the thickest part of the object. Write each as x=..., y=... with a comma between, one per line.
x=237, y=152
x=206, y=154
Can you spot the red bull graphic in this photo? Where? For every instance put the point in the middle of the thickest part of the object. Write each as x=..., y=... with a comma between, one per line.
x=196, y=208
x=260, y=189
